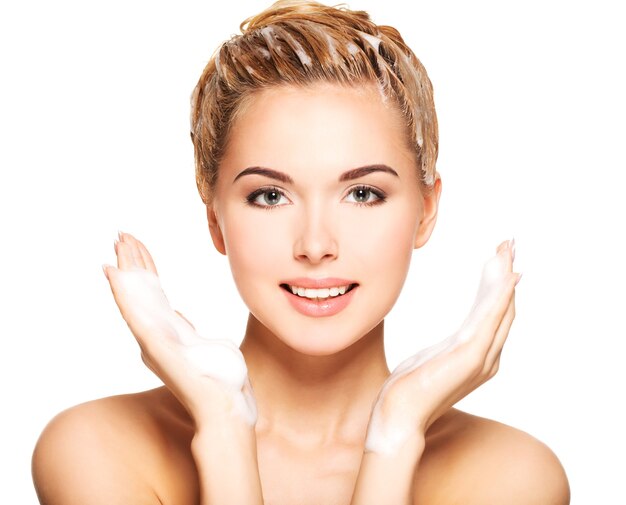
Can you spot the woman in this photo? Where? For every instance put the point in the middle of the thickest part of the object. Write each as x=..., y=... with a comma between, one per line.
x=315, y=139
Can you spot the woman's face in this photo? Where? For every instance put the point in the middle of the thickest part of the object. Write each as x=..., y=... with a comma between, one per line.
x=318, y=192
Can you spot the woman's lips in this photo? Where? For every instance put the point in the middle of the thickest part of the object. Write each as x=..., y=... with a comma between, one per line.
x=319, y=307
x=326, y=282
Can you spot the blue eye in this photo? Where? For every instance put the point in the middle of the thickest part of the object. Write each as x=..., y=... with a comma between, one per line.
x=365, y=195
x=267, y=197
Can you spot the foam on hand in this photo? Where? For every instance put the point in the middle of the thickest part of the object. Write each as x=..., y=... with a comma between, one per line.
x=386, y=436
x=140, y=292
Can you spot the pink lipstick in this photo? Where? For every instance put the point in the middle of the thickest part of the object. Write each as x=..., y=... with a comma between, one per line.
x=319, y=297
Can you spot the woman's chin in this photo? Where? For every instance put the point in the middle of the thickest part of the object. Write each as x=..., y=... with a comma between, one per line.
x=316, y=341
x=317, y=348
x=314, y=336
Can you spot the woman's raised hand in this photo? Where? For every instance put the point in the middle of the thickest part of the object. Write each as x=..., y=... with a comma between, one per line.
x=427, y=384
x=205, y=375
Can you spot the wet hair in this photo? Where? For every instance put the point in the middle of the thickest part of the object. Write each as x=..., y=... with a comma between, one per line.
x=300, y=43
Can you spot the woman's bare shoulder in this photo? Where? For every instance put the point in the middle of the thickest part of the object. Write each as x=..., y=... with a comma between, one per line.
x=112, y=450
x=470, y=459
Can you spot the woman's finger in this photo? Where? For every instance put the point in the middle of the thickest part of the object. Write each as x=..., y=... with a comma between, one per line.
x=147, y=257
x=132, y=242
x=125, y=259
x=501, y=333
x=140, y=253
x=188, y=322
x=492, y=301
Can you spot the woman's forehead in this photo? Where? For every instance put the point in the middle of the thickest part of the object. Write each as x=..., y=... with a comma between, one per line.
x=317, y=121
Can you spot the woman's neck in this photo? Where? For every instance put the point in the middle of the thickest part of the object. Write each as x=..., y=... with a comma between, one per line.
x=314, y=400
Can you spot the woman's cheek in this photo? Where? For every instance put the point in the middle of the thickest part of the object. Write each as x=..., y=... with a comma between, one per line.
x=391, y=250
x=256, y=249
x=387, y=236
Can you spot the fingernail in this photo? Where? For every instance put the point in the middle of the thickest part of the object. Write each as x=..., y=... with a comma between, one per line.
x=115, y=245
x=519, y=276
x=104, y=269
x=513, y=248
x=120, y=234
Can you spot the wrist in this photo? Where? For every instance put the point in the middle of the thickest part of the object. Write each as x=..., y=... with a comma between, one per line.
x=223, y=406
x=387, y=478
x=393, y=424
x=222, y=429
x=225, y=455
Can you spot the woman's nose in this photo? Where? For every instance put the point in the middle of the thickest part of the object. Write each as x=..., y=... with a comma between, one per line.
x=315, y=239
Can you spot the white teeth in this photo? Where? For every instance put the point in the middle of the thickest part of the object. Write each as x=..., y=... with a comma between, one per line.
x=321, y=293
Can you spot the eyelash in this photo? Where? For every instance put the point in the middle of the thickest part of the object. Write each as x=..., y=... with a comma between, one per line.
x=380, y=195
x=258, y=192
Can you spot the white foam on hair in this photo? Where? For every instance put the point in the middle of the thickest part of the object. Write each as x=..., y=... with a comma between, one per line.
x=353, y=49
x=194, y=99
x=418, y=132
x=332, y=48
x=269, y=35
x=218, y=67
x=429, y=178
x=235, y=50
x=372, y=40
x=303, y=56
x=268, y=32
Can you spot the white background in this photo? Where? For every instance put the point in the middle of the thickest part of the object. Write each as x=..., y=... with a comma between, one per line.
x=94, y=109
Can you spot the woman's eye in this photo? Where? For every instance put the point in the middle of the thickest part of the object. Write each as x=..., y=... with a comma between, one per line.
x=365, y=195
x=267, y=198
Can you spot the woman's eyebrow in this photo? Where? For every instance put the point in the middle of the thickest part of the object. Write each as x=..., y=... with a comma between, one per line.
x=368, y=169
x=267, y=172
x=355, y=173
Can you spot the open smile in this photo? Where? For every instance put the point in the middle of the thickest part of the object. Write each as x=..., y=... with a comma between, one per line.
x=319, y=298
x=319, y=293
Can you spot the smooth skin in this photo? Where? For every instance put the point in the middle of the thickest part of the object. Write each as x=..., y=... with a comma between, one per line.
x=316, y=381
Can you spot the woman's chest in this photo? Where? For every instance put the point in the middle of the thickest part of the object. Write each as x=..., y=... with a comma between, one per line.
x=289, y=476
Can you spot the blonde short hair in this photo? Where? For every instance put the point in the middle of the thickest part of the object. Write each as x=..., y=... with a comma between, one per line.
x=298, y=43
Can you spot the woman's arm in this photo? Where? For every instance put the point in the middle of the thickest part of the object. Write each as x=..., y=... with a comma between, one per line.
x=208, y=377
x=429, y=383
